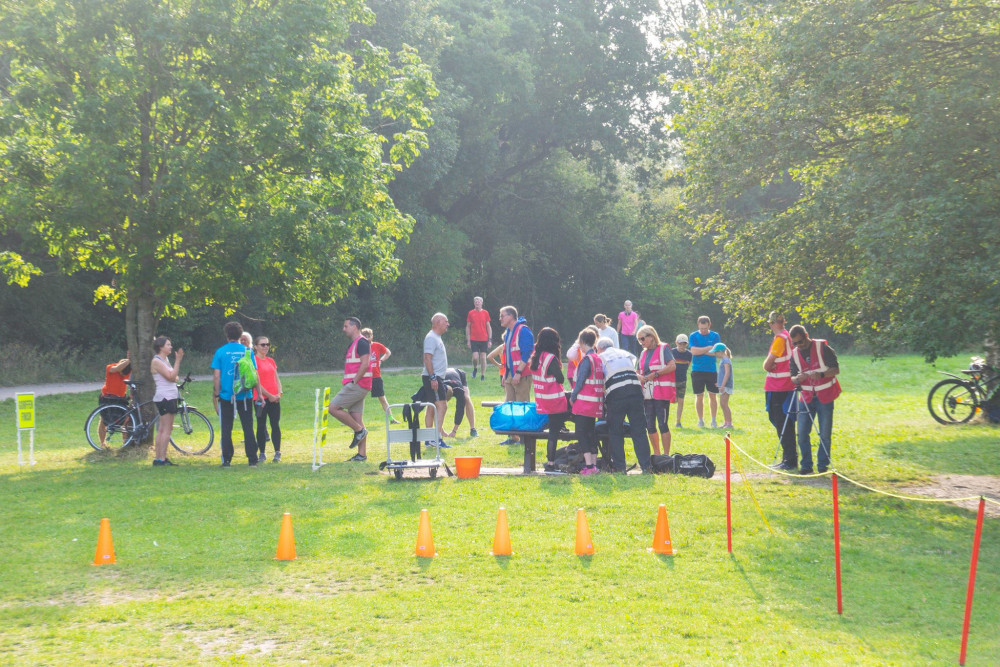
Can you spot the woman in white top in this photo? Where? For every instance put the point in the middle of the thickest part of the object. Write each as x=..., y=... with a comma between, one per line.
x=165, y=381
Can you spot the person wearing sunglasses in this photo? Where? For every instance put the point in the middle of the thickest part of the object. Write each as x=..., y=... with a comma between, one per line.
x=814, y=369
x=267, y=394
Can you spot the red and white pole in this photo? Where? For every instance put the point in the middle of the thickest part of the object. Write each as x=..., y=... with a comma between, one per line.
x=836, y=543
x=729, y=510
x=972, y=579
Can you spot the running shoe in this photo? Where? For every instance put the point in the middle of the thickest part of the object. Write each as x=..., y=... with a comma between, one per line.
x=358, y=437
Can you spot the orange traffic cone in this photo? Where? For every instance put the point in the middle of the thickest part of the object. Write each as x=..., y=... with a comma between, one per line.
x=501, y=538
x=584, y=545
x=425, y=541
x=661, y=537
x=105, y=547
x=286, y=539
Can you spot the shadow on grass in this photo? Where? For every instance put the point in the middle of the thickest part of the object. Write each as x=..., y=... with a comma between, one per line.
x=964, y=449
x=896, y=556
x=746, y=580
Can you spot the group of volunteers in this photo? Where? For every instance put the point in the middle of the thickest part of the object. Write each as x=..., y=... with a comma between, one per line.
x=625, y=376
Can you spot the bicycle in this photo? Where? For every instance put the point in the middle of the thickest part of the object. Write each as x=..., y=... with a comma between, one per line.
x=957, y=399
x=126, y=425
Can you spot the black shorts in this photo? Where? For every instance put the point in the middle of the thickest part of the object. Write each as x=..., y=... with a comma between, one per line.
x=167, y=406
x=442, y=392
x=120, y=401
x=480, y=346
x=702, y=380
x=377, y=388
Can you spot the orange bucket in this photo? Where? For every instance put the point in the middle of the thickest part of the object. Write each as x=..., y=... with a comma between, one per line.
x=467, y=467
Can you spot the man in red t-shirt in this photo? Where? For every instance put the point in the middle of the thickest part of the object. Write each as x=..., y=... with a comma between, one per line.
x=478, y=336
x=379, y=354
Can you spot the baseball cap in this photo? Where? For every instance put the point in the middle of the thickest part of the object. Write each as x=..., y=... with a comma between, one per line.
x=681, y=338
x=718, y=347
x=775, y=316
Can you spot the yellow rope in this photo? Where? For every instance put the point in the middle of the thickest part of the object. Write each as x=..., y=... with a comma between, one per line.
x=746, y=483
x=842, y=476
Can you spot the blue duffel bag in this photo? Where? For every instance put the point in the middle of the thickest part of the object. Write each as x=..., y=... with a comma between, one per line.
x=517, y=417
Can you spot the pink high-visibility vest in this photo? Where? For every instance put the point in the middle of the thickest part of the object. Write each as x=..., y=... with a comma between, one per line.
x=826, y=389
x=550, y=396
x=780, y=377
x=353, y=362
x=590, y=401
x=664, y=387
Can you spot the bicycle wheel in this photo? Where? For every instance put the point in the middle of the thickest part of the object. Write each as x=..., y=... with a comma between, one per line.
x=119, y=426
x=952, y=402
x=193, y=434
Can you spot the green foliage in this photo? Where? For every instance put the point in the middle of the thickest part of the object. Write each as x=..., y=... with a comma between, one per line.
x=838, y=151
x=199, y=150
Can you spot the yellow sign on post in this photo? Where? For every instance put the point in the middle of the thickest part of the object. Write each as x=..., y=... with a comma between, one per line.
x=25, y=411
x=325, y=417
x=26, y=422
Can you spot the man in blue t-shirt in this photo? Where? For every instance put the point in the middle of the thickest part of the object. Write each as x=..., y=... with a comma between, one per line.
x=703, y=372
x=226, y=405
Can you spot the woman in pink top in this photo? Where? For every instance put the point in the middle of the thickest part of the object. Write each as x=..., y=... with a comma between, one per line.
x=627, y=321
x=268, y=391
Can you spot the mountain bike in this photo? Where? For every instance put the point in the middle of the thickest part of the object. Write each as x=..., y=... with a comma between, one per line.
x=126, y=425
x=957, y=399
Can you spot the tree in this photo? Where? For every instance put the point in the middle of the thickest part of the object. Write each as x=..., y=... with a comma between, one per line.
x=200, y=149
x=844, y=155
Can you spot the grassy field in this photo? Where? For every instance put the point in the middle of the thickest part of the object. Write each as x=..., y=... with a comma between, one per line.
x=196, y=580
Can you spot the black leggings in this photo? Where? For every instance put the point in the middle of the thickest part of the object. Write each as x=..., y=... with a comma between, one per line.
x=556, y=422
x=272, y=412
x=586, y=433
x=657, y=411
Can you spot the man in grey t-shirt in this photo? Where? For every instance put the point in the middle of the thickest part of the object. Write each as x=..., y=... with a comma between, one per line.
x=435, y=367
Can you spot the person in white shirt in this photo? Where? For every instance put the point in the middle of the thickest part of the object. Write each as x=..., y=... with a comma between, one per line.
x=623, y=398
x=605, y=330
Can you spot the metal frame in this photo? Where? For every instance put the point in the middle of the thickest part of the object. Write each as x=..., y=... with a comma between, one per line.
x=398, y=435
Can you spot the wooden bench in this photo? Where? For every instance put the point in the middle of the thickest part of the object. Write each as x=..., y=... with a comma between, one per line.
x=530, y=440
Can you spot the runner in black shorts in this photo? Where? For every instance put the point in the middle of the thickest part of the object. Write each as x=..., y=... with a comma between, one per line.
x=702, y=380
x=428, y=393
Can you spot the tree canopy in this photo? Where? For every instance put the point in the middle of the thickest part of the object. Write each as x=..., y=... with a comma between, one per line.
x=845, y=156
x=201, y=149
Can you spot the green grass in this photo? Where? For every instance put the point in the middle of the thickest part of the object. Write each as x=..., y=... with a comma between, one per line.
x=196, y=580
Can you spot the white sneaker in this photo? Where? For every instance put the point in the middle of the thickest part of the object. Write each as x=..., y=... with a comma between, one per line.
x=701, y=423
x=714, y=425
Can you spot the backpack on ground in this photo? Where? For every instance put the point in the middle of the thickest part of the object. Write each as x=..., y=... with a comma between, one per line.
x=696, y=465
x=245, y=374
x=662, y=463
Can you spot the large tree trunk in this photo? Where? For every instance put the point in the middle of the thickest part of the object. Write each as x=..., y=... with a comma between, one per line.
x=140, y=325
x=992, y=346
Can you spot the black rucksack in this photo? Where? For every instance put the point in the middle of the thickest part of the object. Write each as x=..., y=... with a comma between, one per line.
x=696, y=465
